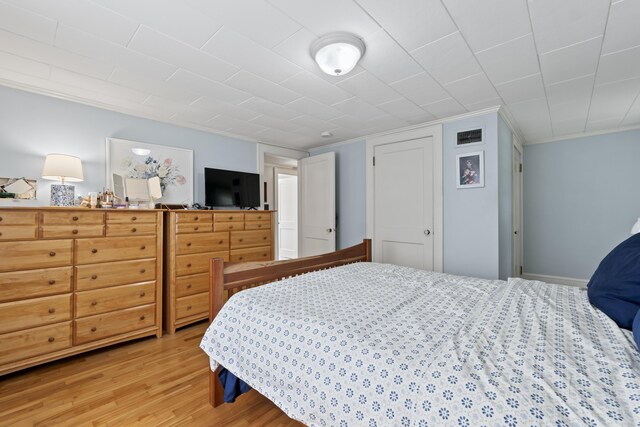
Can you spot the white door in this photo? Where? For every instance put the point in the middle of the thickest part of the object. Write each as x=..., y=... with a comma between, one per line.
x=517, y=211
x=317, y=195
x=403, y=203
x=286, y=198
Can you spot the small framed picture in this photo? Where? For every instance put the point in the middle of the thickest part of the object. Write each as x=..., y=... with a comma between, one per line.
x=470, y=170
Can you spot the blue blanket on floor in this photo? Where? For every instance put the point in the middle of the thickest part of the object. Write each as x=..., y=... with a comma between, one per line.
x=233, y=386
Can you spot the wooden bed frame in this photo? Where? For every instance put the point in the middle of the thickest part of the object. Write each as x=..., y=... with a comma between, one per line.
x=227, y=279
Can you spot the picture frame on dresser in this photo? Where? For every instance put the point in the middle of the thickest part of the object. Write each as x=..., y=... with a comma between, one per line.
x=133, y=159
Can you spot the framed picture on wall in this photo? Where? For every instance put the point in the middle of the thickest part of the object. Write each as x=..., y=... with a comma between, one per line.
x=470, y=170
x=173, y=166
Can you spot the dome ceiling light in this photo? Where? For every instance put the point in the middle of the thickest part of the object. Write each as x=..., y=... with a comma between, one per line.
x=337, y=53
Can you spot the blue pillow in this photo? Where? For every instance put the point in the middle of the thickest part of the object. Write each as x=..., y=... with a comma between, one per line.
x=636, y=329
x=615, y=286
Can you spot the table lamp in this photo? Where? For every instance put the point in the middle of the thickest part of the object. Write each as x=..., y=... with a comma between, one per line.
x=62, y=167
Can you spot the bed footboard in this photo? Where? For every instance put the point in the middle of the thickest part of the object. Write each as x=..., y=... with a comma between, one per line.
x=225, y=280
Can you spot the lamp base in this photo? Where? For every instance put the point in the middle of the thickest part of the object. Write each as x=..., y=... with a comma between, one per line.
x=62, y=195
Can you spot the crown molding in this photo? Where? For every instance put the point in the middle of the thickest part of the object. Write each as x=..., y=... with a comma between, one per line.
x=508, y=118
x=584, y=135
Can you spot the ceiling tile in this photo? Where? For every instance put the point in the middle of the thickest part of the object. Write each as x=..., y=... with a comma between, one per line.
x=202, y=86
x=619, y=66
x=51, y=87
x=230, y=124
x=158, y=45
x=142, y=82
x=327, y=16
x=571, y=90
x=421, y=89
x=96, y=85
x=314, y=87
x=413, y=23
x=444, y=108
x=488, y=23
x=381, y=124
x=488, y=103
x=175, y=19
x=367, y=87
x=573, y=110
x=22, y=65
x=249, y=55
x=447, y=59
x=406, y=110
x=472, y=89
x=317, y=125
x=264, y=106
x=26, y=23
x=536, y=129
x=261, y=87
x=386, y=60
x=255, y=19
x=606, y=124
x=274, y=122
x=358, y=108
x=558, y=24
x=349, y=122
x=211, y=104
x=510, y=61
x=613, y=100
x=633, y=115
x=623, y=30
x=524, y=89
x=85, y=15
x=536, y=110
x=568, y=127
x=571, y=62
x=293, y=140
x=313, y=108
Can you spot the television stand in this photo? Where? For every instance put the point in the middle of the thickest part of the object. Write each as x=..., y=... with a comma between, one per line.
x=252, y=209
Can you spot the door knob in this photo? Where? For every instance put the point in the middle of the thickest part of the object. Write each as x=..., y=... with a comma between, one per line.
x=329, y=230
x=427, y=232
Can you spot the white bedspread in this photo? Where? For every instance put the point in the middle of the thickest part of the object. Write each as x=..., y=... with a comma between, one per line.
x=381, y=345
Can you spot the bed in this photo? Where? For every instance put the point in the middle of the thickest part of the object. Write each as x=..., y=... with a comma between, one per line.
x=371, y=344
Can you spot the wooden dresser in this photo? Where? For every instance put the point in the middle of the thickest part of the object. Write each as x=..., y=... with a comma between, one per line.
x=192, y=238
x=73, y=280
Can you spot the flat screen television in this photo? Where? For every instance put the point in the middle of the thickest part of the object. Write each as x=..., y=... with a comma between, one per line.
x=225, y=188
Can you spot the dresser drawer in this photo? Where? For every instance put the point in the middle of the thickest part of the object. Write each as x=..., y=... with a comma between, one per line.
x=90, y=251
x=244, y=239
x=251, y=254
x=110, y=324
x=197, y=263
x=228, y=217
x=194, y=284
x=226, y=226
x=18, y=218
x=134, y=229
x=18, y=232
x=198, y=243
x=35, y=254
x=34, y=312
x=34, y=342
x=94, y=276
x=192, y=305
x=34, y=283
x=71, y=218
x=104, y=300
x=258, y=225
x=72, y=231
x=257, y=216
x=197, y=217
x=131, y=218
x=193, y=227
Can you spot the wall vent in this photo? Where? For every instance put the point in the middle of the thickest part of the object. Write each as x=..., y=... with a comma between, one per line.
x=469, y=137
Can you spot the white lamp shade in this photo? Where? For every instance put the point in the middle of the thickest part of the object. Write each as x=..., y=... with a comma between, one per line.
x=62, y=167
x=636, y=227
x=337, y=54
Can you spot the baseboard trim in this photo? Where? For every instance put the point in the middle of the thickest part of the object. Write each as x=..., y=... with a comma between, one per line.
x=570, y=281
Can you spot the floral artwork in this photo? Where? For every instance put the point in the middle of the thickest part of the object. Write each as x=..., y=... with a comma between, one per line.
x=174, y=167
x=470, y=170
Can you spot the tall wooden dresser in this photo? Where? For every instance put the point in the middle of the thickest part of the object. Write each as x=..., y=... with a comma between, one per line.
x=73, y=280
x=192, y=238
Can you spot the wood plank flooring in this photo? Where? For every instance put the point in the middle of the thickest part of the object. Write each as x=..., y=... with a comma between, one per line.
x=150, y=382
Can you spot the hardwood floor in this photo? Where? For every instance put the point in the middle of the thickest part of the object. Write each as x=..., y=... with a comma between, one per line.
x=151, y=382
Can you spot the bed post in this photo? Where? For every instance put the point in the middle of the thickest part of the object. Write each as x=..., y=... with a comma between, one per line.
x=367, y=250
x=216, y=296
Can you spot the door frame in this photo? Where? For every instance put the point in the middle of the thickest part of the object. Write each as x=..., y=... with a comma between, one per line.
x=435, y=132
x=276, y=197
x=517, y=263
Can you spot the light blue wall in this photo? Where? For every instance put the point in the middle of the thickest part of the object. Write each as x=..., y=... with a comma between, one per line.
x=471, y=234
x=32, y=126
x=581, y=198
x=350, y=191
x=505, y=199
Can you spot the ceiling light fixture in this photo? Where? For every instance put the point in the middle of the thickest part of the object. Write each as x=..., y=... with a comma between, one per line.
x=326, y=134
x=337, y=53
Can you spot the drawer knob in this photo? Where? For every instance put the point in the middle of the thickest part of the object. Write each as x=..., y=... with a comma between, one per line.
x=75, y=231
x=52, y=310
x=189, y=265
x=241, y=258
x=188, y=307
x=93, y=329
x=0, y=218
x=240, y=240
x=94, y=303
x=52, y=282
x=144, y=270
x=264, y=237
x=189, y=244
x=133, y=218
x=188, y=286
x=94, y=276
x=142, y=317
x=133, y=230
x=142, y=294
x=94, y=251
x=75, y=218
x=51, y=339
x=231, y=227
x=0, y=233
x=259, y=225
x=230, y=218
x=196, y=228
x=220, y=242
x=143, y=247
x=52, y=253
